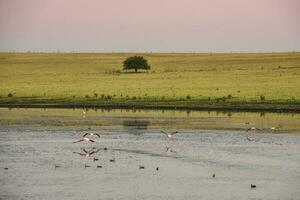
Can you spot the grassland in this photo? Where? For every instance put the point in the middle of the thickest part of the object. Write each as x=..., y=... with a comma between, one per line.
x=254, y=81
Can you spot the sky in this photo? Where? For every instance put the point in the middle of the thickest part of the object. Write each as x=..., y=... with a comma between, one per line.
x=150, y=25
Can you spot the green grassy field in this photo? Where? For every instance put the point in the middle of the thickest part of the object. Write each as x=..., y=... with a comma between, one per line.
x=269, y=81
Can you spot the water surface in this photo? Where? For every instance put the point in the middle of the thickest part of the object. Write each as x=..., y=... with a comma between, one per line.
x=37, y=148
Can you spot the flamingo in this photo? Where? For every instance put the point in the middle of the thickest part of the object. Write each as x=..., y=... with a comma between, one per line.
x=275, y=128
x=169, y=134
x=253, y=128
x=89, y=132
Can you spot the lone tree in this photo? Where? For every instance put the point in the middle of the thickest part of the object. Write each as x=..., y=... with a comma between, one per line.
x=136, y=62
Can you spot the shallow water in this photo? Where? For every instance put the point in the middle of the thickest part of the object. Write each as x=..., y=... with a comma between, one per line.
x=31, y=152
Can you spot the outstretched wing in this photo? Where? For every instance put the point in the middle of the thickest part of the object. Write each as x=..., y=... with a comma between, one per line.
x=97, y=135
x=164, y=132
x=85, y=134
x=81, y=154
x=93, y=152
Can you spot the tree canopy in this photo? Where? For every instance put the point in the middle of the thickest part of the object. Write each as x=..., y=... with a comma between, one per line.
x=136, y=62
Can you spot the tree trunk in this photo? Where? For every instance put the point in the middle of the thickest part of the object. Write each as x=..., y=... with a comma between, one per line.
x=135, y=70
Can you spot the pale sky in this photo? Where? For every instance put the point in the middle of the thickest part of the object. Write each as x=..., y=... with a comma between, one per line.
x=150, y=25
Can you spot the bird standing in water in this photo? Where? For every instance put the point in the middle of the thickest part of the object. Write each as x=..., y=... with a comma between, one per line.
x=253, y=128
x=83, y=114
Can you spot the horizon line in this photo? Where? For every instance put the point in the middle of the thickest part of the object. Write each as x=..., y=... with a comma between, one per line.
x=154, y=52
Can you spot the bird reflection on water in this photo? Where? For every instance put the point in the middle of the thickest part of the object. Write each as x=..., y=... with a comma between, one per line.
x=86, y=153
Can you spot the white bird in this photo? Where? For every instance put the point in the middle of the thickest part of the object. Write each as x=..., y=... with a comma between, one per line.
x=275, y=128
x=169, y=134
x=83, y=114
x=253, y=128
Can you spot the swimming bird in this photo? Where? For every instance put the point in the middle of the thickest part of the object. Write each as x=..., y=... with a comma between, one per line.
x=85, y=166
x=169, y=134
x=112, y=160
x=141, y=167
x=99, y=166
x=214, y=176
x=253, y=186
x=157, y=168
x=253, y=128
x=95, y=159
x=84, y=140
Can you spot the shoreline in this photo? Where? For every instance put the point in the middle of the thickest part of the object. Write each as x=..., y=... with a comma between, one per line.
x=225, y=107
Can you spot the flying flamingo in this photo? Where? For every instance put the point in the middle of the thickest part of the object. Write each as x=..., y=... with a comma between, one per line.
x=169, y=134
x=89, y=132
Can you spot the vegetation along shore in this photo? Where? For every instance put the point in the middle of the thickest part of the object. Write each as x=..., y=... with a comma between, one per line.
x=229, y=81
